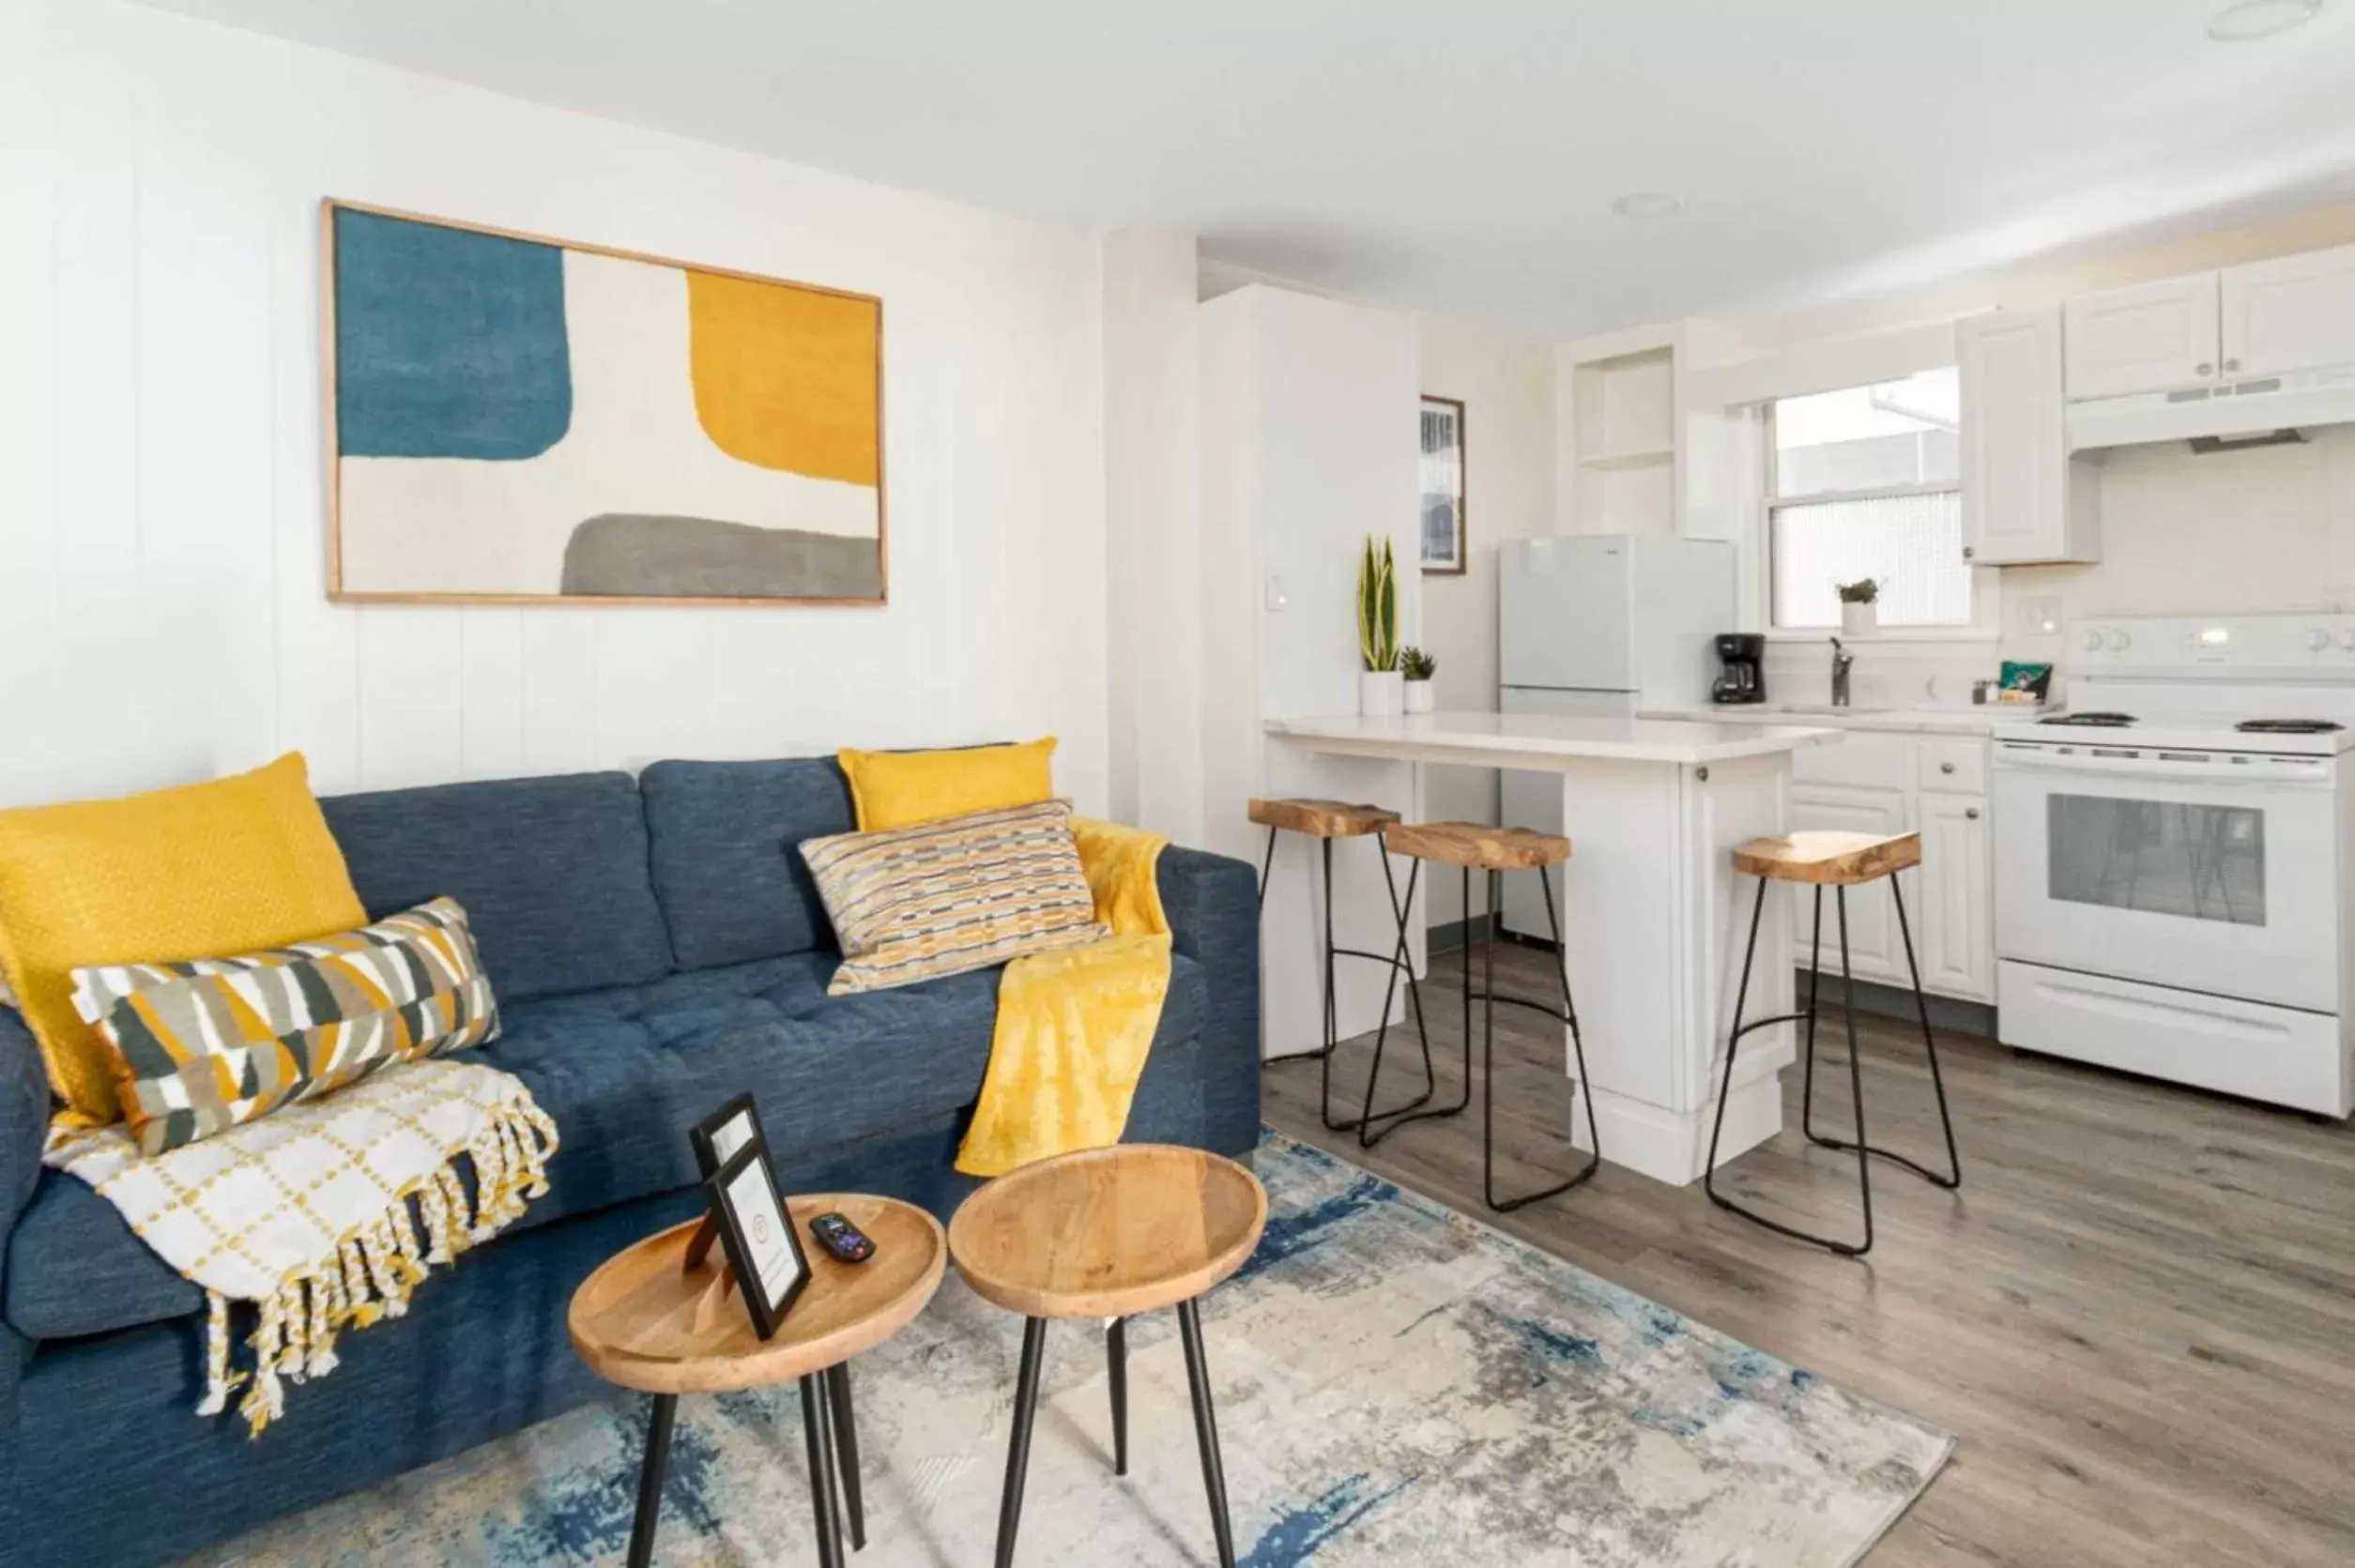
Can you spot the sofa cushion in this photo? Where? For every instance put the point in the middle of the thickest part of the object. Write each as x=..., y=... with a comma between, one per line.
x=624, y=1072
x=723, y=836
x=552, y=873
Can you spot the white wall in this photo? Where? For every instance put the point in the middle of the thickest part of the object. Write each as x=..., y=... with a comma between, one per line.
x=1507, y=391
x=162, y=610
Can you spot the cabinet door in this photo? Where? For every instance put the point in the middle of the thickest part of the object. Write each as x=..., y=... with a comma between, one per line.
x=2153, y=338
x=2023, y=498
x=1872, y=950
x=1954, y=921
x=2291, y=315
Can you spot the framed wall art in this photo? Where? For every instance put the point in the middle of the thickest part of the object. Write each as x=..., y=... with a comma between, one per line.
x=517, y=419
x=1443, y=485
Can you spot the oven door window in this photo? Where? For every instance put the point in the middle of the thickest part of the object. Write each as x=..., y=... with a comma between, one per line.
x=2160, y=857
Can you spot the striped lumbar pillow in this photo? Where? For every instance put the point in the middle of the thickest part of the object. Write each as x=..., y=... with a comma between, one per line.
x=912, y=903
x=203, y=1045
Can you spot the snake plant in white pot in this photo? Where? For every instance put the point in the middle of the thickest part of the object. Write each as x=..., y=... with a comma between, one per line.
x=1379, y=694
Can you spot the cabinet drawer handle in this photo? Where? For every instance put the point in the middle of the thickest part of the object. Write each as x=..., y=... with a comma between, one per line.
x=1946, y=767
x=2203, y=368
x=1971, y=812
x=2232, y=364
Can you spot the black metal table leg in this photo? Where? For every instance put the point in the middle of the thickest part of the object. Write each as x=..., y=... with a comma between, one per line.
x=822, y=1480
x=1116, y=1355
x=846, y=1423
x=1205, y=1428
x=1019, y=1447
x=658, y=1425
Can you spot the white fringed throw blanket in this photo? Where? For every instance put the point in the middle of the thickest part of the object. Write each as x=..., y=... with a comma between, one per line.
x=306, y=1213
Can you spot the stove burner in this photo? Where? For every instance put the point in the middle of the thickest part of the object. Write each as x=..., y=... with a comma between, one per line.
x=2098, y=720
x=2288, y=726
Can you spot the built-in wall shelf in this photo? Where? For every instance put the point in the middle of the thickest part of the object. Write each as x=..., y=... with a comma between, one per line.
x=1617, y=408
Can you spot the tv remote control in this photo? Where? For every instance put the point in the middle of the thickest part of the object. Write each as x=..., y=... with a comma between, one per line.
x=841, y=1238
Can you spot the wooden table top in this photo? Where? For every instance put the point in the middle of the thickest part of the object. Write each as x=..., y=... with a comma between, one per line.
x=1109, y=1232
x=640, y=1320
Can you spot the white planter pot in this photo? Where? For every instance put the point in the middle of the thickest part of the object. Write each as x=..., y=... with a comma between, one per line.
x=1419, y=697
x=1378, y=694
x=1858, y=620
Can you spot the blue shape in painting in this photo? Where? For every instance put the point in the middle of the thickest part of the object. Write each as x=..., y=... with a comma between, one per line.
x=448, y=342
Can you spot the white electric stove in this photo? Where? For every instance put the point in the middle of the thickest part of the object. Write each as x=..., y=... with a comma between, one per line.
x=2173, y=876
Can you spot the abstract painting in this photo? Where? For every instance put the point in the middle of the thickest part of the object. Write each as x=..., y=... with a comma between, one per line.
x=1441, y=525
x=515, y=419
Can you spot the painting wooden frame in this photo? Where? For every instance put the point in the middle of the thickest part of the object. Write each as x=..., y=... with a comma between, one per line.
x=1440, y=415
x=342, y=590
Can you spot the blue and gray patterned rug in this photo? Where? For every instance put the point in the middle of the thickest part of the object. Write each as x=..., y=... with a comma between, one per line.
x=1395, y=1384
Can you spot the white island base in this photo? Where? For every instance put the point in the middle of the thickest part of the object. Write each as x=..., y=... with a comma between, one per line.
x=1654, y=916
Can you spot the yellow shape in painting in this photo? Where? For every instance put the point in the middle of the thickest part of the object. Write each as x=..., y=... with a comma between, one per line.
x=785, y=377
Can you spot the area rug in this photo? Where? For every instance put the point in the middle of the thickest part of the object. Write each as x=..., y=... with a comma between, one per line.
x=1395, y=1383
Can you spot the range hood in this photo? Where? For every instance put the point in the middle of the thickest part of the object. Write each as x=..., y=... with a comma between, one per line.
x=2300, y=401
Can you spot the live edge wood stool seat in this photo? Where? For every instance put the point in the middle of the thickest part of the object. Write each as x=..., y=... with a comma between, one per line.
x=1109, y=1233
x=1837, y=861
x=1472, y=847
x=1324, y=821
x=645, y=1321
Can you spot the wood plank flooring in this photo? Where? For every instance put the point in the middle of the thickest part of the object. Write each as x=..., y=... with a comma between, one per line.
x=2138, y=1315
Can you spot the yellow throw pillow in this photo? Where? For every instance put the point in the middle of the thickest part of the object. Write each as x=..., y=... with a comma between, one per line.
x=901, y=789
x=229, y=866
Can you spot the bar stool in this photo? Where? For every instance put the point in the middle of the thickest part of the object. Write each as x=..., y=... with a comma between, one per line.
x=1473, y=847
x=1838, y=860
x=1325, y=821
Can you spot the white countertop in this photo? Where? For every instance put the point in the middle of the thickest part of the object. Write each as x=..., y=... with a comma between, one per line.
x=1977, y=719
x=1545, y=742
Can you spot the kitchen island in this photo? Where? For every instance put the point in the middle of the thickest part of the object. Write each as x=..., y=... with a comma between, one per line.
x=1651, y=915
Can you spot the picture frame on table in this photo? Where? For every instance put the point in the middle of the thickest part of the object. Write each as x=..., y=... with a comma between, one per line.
x=756, y=1231
x=1439, y=522
x=718, y=1136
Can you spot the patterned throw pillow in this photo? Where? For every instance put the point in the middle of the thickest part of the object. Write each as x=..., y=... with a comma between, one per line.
x=912, y=903
x=203, y=1045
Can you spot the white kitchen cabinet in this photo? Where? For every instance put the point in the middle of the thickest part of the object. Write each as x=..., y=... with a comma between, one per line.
x=1954, y=926
x=1878, y=782
x=2294, y=313
x=2024, y=499
x=2151, y=337
x=1872, y=950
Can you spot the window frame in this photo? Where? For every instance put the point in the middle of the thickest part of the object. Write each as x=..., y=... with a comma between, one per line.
x=1985, y=624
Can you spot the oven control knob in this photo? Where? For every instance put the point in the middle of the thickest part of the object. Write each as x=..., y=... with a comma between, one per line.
x=2318, y=639
x=2118, y=640
x=2093, y=641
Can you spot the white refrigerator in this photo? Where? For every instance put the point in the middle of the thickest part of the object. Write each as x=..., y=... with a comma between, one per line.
x=1603, y=625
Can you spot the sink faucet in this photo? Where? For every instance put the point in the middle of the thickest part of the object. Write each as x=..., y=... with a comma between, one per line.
x=1841, y=660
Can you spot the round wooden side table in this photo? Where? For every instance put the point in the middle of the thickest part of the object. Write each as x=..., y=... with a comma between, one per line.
x=1109, y=1233
x=645, y=1321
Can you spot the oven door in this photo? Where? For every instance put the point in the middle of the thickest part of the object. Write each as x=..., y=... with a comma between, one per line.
x=2204, y=871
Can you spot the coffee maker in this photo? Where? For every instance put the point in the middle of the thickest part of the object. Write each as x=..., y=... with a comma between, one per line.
x=1741, y=676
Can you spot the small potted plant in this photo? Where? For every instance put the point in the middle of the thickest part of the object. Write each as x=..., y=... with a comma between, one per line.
x=1379, y=694
x=1859, y=606
x=1417, y=667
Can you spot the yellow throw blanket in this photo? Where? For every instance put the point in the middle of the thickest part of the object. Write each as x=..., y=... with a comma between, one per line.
x=1073, y=1026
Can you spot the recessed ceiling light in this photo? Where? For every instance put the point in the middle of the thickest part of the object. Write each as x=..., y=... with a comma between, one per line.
x=1642, y=205
x=2252, y=20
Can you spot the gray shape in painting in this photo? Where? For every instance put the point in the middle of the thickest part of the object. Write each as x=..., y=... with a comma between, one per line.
x=622, y=555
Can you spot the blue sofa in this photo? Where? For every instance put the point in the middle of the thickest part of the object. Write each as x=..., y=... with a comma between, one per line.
x=656, y=947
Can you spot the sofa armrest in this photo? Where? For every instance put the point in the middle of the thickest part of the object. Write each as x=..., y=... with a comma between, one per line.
x=1212, y=903
x=24, y=1122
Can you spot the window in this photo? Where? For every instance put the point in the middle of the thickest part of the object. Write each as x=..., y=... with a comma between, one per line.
x=1866, y=482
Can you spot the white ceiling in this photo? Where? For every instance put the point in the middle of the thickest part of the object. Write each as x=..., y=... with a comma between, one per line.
x=1462, y=156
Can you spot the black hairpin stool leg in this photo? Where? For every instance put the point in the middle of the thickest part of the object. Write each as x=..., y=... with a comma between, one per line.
x=815, y=1432
x=1019, y=1446
x=1368, y=1133
x=1855, y=1077
x=1189, y=1316
x=658, y=1424
x=1952, y=1177
x=1116, y=1358
x=846, y=1449
x=1569, y=1016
